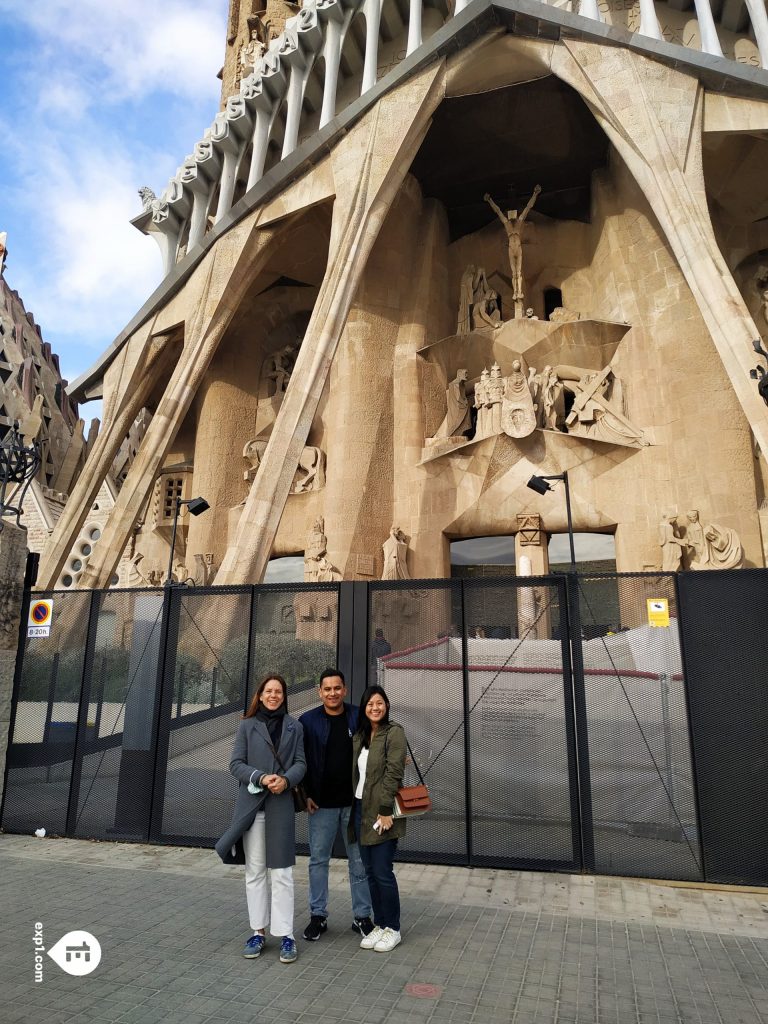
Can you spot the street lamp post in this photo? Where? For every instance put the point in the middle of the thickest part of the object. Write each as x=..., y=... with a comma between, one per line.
x=541, y=485
x=18, y=465
x=195, y=506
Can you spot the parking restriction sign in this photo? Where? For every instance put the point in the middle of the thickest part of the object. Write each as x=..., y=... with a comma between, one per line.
x=39, y=620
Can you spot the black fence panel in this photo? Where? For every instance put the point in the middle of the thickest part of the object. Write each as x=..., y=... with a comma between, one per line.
x=521, y=739
x=724, y=618
x=41, y=749
x=112, y=776
x=205, y=686
x=641, y=785
x=415, y=653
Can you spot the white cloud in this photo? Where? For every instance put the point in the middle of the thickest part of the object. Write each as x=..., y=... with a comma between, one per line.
x=99, y=99
x=138, y=46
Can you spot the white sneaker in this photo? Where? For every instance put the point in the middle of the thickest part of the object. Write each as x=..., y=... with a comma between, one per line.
x=370, y=940
x=387, y=941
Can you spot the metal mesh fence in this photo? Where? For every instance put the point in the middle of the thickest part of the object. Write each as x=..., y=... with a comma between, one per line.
x=725, y=620
x=112, y=783
x=520, y=737
x=640, y=771
x=208, y=672
x=42, y=747
x=415, y=653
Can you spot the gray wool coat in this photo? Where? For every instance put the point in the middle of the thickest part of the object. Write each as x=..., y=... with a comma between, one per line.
x=251, y=753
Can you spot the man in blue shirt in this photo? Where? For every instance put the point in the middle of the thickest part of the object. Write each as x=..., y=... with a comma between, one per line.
x=328, y=747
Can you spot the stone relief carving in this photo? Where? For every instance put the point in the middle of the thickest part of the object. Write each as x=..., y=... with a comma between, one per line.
x=513, y=226
x=457, y=419
x=561, y=315
x=317, y=568
x=310, y=473
x=478, y=303
x=279, y=366
x=395, y=550
x=671, y=544
x=518, y=412
x=701, y=547
x=147, y=197
x=570, y=399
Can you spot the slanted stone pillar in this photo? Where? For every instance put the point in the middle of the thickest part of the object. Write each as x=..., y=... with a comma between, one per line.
x=534, y=621
x=13, y=557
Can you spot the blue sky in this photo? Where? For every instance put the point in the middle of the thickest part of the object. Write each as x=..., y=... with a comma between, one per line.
x=97, y=99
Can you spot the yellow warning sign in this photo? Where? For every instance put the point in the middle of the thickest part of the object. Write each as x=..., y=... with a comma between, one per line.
x=39, y=619
x=658, y=611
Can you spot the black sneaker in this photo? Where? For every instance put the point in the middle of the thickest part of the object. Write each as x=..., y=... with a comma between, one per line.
x=315, y=928
x=362, y=925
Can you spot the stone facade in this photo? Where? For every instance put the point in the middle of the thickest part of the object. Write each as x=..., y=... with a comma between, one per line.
x=13, y=556
x=527, y=256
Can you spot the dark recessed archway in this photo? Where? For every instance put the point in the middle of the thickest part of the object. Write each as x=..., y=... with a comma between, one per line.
x=505, y=142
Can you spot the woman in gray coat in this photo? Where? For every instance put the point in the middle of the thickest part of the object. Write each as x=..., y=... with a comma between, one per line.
x=268, y=761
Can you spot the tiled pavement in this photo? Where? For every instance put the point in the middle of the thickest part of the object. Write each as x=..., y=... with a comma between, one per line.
x=479, y=947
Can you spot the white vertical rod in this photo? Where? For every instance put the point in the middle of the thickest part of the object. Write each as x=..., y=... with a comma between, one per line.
x=372, y=19
x=197, y=222
x=332, y=57
x=293, y=110
x=260, y=145
x=414, y=27
x=589, y=9
x=709, y=41
x=649, y=23
x=759, y=20
x=226, y=184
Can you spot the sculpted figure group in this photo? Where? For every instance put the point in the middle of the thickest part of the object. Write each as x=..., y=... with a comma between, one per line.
x=685, y=543
x=570, y=399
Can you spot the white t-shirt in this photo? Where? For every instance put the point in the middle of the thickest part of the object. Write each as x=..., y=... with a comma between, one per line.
x=362, y=767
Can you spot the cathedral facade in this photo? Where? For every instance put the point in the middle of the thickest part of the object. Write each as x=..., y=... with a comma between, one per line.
x=427, y=251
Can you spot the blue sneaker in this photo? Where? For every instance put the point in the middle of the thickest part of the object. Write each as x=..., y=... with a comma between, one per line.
x=253, y=947
x=288, y=951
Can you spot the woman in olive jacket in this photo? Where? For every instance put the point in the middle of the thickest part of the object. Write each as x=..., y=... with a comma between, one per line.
x=378, y=766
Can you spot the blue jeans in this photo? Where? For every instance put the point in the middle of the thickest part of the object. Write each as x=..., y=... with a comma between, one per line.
x=323, y=825
x=378, y=861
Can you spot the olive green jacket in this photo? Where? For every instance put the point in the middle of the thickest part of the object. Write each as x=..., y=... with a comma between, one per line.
x=383, y=778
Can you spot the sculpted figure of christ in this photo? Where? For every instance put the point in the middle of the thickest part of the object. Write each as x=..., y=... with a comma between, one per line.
x=513, y=225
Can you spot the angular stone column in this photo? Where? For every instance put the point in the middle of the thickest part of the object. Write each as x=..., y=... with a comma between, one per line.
x=653, y=116
x=13, y=559
x=229, y=270
x=119, y=420
x=533, y=618
x=369, y=165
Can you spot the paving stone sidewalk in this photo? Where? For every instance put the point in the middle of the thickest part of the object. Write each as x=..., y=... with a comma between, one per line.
x=479, y=946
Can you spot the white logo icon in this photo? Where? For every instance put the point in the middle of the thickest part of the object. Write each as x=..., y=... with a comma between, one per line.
x=77, y=953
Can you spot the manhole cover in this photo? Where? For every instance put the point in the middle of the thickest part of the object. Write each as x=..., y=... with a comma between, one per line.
x=423, y=991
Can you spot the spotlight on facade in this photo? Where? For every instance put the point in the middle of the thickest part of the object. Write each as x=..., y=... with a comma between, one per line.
x=541, y=485
x=196, y=507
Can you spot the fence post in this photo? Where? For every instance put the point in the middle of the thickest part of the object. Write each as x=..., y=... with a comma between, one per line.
x=180, y=698
x=573, y=619
x=214, y=675
x=166, y=671
x=346, y=631
x=467, y=731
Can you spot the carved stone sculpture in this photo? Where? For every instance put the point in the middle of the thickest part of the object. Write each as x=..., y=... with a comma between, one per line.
x=761, y=284
x=695, y=541
x=279, y=368
x=147, y=198
x=3, y=250
x=561, y=315
x=671, y=544
x=513, y=225
x=552, y=399
x=457, y=418
x=495, y=398
x=483, y=425
x=395, y=550
x=594, y=414
x=478, y=303
x=530, y=315
x=518, y=413
x=317, y=568
x=310, y=473
x=724, y=548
